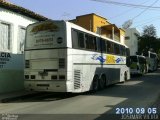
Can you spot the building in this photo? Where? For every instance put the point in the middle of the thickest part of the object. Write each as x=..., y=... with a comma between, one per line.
x=13, y=22
x=131, y=40
x=100, y=25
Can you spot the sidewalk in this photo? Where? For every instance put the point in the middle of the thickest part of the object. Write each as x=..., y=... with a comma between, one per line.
x=5, y=97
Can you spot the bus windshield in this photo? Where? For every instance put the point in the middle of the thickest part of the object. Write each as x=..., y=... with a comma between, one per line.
x=133, y=58
x=47, y=34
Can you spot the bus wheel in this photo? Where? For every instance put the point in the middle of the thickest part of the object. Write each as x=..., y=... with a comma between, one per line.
x=125, y=76
x=95, y=83
x=102, y=82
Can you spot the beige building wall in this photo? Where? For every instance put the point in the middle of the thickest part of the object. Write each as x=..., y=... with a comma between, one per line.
x=100, y=25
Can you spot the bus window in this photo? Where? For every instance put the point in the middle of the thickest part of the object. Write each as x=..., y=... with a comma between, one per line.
x=120, y=49
x=141, y=60
x=74, y=39
x=81, y=40
x=145, y=53
x=95, y=44
x=98, y=44
x=133, y=58
x=87, y=41
x=123, y=51
x=90, y=42
x=127, y=52
x=116, y=49
x=103, y=43
x=152, y=55
x=110, y=47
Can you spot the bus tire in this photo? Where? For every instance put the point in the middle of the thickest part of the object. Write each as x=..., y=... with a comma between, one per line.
x=95, y=86
x=125, y=76
x=102, y=82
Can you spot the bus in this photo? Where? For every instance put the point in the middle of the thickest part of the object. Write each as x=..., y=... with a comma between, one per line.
x=138, y=64
x=152, y=60
x=63, y=57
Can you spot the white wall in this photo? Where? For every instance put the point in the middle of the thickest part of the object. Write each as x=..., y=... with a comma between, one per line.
x=12, y=68
x=122, y=39
x=15, y=20
x=132, y=41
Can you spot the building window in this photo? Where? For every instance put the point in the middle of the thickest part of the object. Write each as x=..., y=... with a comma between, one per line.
x=21, y=39
x=5, y=37
x=98, y=30
x=127, y=38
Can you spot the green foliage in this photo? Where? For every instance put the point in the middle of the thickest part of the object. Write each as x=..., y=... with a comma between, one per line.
x=148, y=40
x=149, y=31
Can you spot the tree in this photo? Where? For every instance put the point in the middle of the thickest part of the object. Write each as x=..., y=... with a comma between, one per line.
x=149, y=31
x=148, y=40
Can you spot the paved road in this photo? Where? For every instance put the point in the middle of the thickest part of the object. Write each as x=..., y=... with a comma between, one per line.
x=139, y=92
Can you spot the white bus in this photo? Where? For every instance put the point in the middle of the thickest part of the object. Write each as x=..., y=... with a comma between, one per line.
x=138, y=64
x=152, y=60
x=63, y=57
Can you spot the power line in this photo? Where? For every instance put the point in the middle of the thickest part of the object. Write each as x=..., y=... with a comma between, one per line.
x=145, y=10
x=126, y=11
x=149, y=19
x=145, y=23
x=127, y=4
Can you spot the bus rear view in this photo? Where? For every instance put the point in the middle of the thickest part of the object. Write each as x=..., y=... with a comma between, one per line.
x=45, y=56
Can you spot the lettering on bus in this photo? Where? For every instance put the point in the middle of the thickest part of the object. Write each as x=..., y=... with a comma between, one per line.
x=4, y=58
x=49, y=26
x=44, y=40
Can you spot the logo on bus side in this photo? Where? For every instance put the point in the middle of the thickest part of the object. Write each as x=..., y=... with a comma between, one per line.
x=99, y=58
x=110, y=59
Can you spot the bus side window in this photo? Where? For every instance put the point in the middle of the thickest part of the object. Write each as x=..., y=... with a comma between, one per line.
x=121, y=50
x=152, y=55
x=81, y=40
x=116, y=49
x=145, y=53
x=127, y=52
x=98, y=44
x=112, y=48
x=95, y=43
x=103, y=44
x=74, y=39
x=86, y=41
x=89, y=40
x=108, y=47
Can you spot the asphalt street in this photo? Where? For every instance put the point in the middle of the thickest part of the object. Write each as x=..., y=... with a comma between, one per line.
x=139, y=93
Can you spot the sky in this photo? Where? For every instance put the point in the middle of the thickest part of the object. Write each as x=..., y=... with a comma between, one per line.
x=69, y=9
